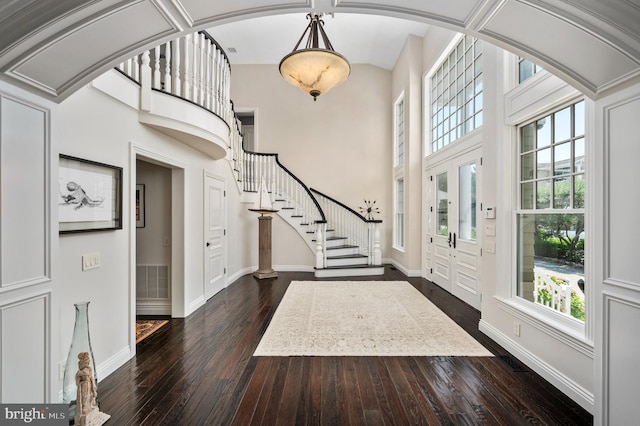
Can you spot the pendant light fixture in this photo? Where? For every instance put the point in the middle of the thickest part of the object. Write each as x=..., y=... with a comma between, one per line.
x=313, y=69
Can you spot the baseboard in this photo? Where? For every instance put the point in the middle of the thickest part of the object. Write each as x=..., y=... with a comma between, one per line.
x=153, y=308
x=244, y=271
x=194, y=305
x=113, y=363
x=401, y=268
x=293, y=268
x=567, y=386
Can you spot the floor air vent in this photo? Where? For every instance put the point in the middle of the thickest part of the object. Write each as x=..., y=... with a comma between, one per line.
x=516, y=367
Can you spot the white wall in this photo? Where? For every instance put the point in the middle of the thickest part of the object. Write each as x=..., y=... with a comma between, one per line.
x=406, y=79
x=564, y=359
x=339, y=145
x=29, y=273
x=615, y=278
x=150, y=239
x=97, y=127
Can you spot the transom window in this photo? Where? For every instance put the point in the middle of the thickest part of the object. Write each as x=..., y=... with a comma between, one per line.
x=526, y=69
x=550, y=218
x=456, y=94
x=399, y=139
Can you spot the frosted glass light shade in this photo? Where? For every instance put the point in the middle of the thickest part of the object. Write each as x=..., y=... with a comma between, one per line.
x=315, y=71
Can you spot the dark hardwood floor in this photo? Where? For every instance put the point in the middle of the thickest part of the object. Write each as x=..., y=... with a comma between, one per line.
x=200, y=371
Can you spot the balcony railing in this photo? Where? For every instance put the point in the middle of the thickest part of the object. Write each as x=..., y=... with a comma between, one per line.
x=193, y=67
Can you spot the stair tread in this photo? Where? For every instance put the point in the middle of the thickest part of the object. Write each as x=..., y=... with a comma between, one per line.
x=348, y=256
x=344, y=246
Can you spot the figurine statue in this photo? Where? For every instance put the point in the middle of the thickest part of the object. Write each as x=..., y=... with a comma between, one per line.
x=87, y=412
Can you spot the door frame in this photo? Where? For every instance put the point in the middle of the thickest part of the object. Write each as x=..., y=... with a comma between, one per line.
x=460, y=148
x=210, y=175
x=176, y=268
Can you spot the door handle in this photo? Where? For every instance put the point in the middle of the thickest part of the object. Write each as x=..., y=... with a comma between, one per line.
x=454, y=240
x=449, y=241
x=208, y=243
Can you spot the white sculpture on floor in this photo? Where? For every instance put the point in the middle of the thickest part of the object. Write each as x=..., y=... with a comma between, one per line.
x=87, y=412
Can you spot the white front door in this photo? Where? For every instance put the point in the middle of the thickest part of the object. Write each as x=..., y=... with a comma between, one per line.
x=215, y=246
x=455, y=212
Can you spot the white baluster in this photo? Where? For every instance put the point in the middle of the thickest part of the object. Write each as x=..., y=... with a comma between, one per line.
x=201, y=70
x=207, y=78
x=194, y=67
x=167, y=67
x=145, y=82
x=156, y=68
x=377, y=252
x=136, y=69
x=175, y=65
x=186, y=71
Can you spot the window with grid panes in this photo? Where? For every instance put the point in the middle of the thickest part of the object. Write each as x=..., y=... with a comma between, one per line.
x=399, y=145
x=551, y=216
x=456, y=94
x=526, y=69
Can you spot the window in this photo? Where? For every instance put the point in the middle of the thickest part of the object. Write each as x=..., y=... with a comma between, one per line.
x=526, y=69
x=550, y=218
x=398, y=228
x=456, y=94
x=399, y=132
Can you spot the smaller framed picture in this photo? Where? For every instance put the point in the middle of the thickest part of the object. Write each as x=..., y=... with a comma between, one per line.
x=90, y=196
x=139, y=206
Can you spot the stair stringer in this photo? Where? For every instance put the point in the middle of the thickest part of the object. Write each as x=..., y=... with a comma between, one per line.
x=296, y=223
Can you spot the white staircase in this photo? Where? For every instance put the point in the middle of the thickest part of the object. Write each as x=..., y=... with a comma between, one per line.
x=344, y=242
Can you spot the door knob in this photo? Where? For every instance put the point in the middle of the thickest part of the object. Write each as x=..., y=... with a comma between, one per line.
x=208, y=243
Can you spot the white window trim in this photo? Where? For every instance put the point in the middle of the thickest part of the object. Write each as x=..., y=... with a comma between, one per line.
x=565, y=329
x=395, y=245
x=399, y=167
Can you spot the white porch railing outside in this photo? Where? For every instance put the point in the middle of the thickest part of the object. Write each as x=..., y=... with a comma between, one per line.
x=548, y=293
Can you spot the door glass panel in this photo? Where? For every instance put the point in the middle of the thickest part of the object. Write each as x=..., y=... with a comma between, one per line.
x=442, y=205
x=467, y=202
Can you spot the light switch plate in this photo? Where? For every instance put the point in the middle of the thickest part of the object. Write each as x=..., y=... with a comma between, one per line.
x=90, y=261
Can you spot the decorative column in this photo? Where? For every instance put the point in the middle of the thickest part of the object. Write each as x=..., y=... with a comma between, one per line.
x=265, y=270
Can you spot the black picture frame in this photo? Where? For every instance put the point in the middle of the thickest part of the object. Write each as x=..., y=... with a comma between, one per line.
x=90, y=196
x=140, y=206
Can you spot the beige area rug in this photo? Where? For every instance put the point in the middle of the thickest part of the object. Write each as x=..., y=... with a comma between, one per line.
x=362, y=318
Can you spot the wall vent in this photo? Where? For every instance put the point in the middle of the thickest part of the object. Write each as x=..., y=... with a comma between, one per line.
x=152, y=282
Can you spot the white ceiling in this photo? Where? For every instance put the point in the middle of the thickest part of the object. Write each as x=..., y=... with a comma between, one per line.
x=362, y=39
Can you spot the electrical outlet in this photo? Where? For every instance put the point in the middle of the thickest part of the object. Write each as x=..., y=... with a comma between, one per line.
x=516, y=328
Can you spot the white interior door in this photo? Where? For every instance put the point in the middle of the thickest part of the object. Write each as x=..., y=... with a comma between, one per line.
x=455, y=214
x=215, y=246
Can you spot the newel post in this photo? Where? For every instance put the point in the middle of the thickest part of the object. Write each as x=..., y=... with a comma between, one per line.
x=319, y=246
x=145, y=82
x=377, y=252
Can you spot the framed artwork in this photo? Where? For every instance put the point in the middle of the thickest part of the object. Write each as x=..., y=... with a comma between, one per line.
x=90, y=196
x=139, y=206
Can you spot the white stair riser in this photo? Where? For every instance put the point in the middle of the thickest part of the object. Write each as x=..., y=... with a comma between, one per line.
x=334, y=243
x=343, y=251
x=347, y=261
x=355, y=272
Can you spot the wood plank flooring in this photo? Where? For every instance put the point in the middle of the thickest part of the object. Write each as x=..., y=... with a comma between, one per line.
x=200, y=371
